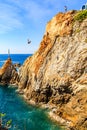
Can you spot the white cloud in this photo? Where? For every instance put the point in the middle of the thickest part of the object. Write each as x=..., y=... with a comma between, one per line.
x=9, y=18
x=35, y=11
x=15, y=13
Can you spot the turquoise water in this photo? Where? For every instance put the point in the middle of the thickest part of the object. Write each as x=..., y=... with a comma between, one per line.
x=23, y=115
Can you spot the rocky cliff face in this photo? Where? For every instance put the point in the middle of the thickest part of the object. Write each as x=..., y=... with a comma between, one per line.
x=8, y=73
x=56, y=74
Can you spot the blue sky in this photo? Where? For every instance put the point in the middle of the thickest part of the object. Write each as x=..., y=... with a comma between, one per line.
x=23, y=19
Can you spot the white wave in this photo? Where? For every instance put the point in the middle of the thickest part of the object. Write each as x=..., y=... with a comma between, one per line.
x=2, y=61
x=15, y=61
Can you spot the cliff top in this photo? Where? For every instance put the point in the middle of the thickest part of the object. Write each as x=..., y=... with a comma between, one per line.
x=62, y=23
x=59, y=25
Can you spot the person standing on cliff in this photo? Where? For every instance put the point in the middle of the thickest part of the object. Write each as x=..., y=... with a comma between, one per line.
x=9, y=53
x=65, y=8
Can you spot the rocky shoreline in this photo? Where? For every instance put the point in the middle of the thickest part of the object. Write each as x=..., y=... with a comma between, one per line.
x=56, y=74
x=55, y=77
x=51, y=113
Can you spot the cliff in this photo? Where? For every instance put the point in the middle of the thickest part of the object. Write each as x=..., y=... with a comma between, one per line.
x=56, y=75
x=8, y=73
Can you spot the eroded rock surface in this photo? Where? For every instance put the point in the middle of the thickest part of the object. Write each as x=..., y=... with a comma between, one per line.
x=56, y=75
x=8, y=73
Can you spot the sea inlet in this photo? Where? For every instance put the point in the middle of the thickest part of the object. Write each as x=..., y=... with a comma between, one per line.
x=23, y=115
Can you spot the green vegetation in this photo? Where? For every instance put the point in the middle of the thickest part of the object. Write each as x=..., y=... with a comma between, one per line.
x=2, y=115
x=77, y=30
x=4, y=124
x=8, y=123
x=80, y=16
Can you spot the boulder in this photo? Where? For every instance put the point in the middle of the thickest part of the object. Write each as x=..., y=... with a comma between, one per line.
x=8, y=73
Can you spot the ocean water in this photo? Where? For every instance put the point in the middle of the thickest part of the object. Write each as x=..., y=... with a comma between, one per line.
x=16, y=58
x=23, y=115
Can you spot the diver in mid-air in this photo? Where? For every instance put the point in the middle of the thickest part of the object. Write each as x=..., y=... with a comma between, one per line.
x=28, y=41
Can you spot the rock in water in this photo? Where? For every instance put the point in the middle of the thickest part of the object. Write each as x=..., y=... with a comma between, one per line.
x=8, y=73
x=56, y=74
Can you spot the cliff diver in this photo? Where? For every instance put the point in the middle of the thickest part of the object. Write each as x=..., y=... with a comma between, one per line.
x=8, y=53
x=28, y=41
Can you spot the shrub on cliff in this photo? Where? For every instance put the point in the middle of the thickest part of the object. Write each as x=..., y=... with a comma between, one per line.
x=80, y=16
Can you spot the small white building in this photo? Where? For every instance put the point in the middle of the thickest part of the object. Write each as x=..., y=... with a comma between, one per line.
x=84, y=7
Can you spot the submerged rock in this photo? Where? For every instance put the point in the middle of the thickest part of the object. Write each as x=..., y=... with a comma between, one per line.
x=56, y=74
x=17, y=65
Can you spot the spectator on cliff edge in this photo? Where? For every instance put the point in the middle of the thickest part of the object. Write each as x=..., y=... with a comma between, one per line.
x=65, y=8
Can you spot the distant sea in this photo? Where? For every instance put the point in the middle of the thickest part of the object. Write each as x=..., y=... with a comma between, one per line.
x=23, y=115
x=16, y=58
